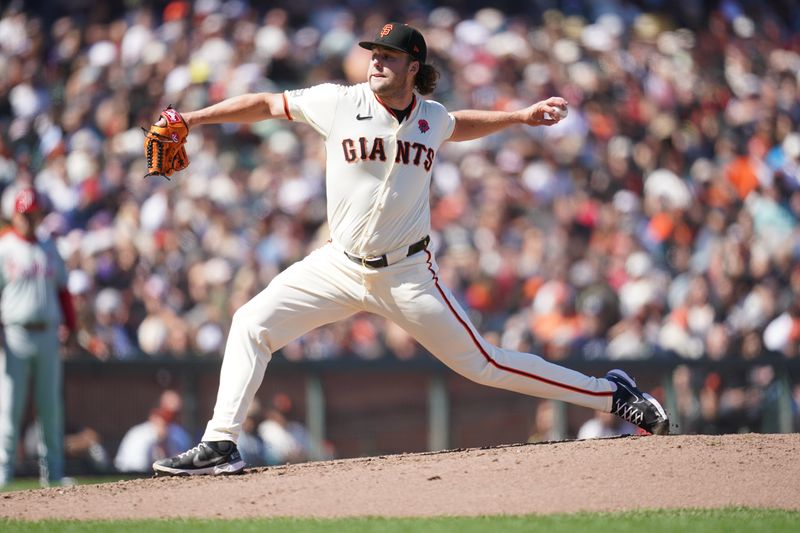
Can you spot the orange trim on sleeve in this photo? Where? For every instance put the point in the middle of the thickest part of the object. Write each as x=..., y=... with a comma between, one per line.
x=455, y=123
x=286, y=107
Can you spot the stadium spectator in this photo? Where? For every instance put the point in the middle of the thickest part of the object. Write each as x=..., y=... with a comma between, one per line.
x=159, y=436
x=286, y=440
x=250, y=444
x=603, y=425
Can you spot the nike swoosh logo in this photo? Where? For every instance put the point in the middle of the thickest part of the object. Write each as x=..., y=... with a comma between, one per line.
x=365, y=117
x=200, y=463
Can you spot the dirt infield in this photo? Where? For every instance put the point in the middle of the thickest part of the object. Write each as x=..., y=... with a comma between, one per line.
x=598, y=475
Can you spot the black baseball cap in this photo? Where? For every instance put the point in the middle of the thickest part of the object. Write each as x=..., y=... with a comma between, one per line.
x=402, y=37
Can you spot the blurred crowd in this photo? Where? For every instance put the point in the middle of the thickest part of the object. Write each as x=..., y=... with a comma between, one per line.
x=271, y=435
x=660, y=219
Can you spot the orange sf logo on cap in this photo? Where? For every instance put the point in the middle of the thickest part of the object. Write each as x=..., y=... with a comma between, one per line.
x=386, y=29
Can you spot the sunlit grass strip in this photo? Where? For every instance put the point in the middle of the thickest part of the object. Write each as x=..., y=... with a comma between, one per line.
x=695, y=520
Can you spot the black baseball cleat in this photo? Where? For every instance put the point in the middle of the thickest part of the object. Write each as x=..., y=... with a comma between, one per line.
x=635, y=406
x=207, y=458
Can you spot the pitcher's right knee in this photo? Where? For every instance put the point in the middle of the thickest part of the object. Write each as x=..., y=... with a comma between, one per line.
x=246, y=328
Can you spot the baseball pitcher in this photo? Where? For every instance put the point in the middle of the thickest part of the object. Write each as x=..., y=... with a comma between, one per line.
x=33, y=304
x=381, y=140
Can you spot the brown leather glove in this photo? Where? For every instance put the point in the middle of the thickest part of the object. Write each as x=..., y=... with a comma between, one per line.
x=164, y=144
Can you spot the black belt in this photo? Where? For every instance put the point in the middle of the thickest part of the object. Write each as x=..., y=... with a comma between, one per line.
x=383, y=261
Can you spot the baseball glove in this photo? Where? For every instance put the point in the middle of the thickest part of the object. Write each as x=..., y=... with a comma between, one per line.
x=164, y=144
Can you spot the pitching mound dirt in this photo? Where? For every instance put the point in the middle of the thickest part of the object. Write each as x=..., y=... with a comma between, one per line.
x=597, y=475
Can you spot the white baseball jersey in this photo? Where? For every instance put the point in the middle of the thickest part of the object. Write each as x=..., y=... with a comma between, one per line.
x=30, y=274
x=378, y=170
x=378, y=176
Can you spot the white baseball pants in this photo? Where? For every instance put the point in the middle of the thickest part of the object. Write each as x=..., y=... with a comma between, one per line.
x=36, y=354
x=326, y=287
